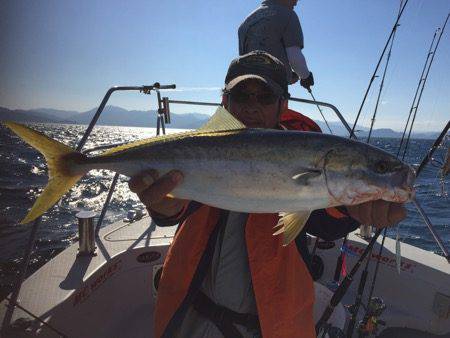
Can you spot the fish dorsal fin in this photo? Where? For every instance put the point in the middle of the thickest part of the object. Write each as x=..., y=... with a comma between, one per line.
x=222, y=120
x=291, y=224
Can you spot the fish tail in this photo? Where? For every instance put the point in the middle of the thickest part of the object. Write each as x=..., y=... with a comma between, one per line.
x=60, y=162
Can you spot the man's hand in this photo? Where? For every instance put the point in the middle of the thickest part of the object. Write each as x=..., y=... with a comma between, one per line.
x=378, y=213
x=308, y=82
x=152, y=191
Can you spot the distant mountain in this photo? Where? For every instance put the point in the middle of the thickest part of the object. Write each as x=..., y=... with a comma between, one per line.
x=57, y=113
x=19, y=115
x=363, y=132
x=111, y=115
x=117, y=116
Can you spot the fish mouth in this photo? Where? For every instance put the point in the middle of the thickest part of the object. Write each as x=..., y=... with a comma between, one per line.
x=398, y=188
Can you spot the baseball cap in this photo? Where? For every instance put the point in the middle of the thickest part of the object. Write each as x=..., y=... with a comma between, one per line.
x=261, y=66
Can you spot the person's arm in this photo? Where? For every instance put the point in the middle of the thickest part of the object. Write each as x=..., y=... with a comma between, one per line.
x=293, y=44
x=297, y=61
x=330, y=224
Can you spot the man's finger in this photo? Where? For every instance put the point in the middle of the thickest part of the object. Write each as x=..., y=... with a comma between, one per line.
x=142, y=181
x=161, y=187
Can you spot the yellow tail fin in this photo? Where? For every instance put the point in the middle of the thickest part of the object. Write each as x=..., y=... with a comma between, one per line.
x=60, y=178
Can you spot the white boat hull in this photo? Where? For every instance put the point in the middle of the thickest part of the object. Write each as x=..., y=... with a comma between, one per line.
x=113, y=293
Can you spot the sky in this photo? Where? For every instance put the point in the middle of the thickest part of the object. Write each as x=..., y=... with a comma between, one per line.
x=66, y=54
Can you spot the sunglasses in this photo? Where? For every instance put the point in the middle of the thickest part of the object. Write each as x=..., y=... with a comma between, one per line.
x=264, y=99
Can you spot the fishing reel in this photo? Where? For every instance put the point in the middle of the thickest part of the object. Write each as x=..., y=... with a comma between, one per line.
x=369, y=325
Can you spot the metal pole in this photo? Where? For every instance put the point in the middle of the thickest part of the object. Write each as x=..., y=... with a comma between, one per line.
x=195, y=103
x=328, y=105
x=106, y=204
x=100, y=110
x=22, y=274
x=86, y=233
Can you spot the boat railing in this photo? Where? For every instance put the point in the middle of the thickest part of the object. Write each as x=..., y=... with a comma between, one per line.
x=165, y=101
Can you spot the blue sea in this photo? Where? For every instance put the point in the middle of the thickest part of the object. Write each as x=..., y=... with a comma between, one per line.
x=23, y=176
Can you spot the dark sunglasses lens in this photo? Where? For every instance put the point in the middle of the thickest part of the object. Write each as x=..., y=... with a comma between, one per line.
x=267, y=98
x=239, y=97
x=263, y=98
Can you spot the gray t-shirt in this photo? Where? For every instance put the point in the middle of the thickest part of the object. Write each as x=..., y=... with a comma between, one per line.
x=227, y=282
x=271, y=28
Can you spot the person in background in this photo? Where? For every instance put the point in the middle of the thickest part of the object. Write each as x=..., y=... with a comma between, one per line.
x=274, y=27
x=225, y=274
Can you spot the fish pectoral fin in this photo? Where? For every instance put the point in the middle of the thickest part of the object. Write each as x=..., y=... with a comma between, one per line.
x=222, y=120
x=291, y=224
x=303, y=177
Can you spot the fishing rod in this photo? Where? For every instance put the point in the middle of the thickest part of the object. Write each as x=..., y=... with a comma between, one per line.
x=423, y=86
x=343, y=287
x=355, y=307
x=422, y=80
x=363, y=279
x=419, y=208
x=340, y=259
x=320, y=110
x=430, y=52
x=382, y=84
x=433, y=148
x=391, y=38
x=394, y=28
x=425, y=160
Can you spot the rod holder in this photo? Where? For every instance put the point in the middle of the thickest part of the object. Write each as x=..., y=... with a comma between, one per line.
x=86, y=232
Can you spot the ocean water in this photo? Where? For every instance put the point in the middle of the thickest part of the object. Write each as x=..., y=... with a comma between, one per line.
x=23, y=176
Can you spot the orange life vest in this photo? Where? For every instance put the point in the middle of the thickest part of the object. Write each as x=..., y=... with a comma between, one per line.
x=282, y=285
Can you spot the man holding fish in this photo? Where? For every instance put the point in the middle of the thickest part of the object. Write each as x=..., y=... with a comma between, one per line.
x=225, y=273
x=243, y=187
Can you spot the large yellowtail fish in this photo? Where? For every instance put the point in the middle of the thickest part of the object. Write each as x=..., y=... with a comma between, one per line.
x=228, y=166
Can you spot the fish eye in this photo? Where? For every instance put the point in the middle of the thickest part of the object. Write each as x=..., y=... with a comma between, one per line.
x=381, y=167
